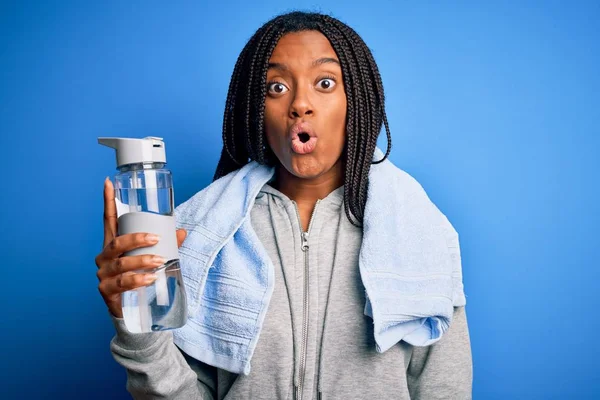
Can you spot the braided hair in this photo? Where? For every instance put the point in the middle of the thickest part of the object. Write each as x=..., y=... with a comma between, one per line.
x=244, y=138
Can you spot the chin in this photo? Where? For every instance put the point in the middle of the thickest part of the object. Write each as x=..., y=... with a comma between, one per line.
x=306, y=167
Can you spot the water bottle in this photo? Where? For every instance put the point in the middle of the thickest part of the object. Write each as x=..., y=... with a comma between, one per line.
x=145, y=203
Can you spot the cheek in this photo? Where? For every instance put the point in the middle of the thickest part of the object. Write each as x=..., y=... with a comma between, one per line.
x=275, y=130
x=271, y=124
x=337, y=120
x=342, y=115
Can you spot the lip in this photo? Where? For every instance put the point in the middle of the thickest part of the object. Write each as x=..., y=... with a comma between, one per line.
x=297, y=146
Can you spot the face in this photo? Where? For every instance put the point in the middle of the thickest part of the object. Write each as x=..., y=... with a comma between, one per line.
x=305, y=107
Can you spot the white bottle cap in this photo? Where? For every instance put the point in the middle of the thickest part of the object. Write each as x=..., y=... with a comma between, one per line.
x=133, y=151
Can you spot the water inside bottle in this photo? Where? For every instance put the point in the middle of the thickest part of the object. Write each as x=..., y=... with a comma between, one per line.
x=144, y=310
x=159, y=201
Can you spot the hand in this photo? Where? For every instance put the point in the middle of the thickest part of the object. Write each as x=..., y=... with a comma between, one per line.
x=115, y=272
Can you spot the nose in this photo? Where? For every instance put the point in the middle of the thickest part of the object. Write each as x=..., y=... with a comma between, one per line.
x=301, y=105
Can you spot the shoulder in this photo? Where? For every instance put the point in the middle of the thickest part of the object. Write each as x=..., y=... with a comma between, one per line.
x=230, y=194
x=404, y=192
x=396, y=179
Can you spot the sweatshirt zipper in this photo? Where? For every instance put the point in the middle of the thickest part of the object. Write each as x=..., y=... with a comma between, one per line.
x=304, y=236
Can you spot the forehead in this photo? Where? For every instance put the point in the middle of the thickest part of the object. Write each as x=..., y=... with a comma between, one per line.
x=301, y=47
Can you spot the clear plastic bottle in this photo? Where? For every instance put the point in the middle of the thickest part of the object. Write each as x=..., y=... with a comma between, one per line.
x=145, y=203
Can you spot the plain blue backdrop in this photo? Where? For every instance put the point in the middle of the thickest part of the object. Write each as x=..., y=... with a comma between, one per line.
x=494, y=109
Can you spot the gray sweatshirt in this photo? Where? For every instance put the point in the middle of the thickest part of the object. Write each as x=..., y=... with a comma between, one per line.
x=316, y=342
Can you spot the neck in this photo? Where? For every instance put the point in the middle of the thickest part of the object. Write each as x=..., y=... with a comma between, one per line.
x=306, y=192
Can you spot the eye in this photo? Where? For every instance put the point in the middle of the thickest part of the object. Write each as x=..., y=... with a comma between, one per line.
x=276, y=88
x=326, y=83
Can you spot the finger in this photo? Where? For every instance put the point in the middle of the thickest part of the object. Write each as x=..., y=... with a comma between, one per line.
x=124, y=282
x=181, y=235
x=110, y=212
x=130, y=241
x=122, y=265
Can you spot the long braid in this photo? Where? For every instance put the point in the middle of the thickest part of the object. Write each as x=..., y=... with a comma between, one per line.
x=366, y=105
x=372, y=120
x=376, y=77
x=243, y=120
x=252, y=88
x=231, y=152
x=259, y=90
x=349, y=74
x=360, y=145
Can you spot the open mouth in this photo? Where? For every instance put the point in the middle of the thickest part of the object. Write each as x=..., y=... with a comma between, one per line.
x=304, y=137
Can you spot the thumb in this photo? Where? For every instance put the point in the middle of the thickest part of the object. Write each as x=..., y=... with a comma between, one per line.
x=181, y=235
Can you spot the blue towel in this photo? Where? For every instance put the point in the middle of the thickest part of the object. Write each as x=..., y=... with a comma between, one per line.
x=409, y=264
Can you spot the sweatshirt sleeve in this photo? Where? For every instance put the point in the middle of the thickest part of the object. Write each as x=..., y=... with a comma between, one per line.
x=157, y=369
x=443, y=370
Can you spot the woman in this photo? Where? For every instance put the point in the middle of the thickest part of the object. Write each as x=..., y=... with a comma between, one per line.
x=330, y=252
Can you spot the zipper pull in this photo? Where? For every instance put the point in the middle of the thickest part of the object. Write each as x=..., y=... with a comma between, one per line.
x=304, y=241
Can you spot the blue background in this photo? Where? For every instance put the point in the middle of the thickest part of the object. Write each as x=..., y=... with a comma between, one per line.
x=494, y=109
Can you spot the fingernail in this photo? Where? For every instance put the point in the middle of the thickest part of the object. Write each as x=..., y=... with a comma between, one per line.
x=158, y=260
x=152, y=238
x=148, y=278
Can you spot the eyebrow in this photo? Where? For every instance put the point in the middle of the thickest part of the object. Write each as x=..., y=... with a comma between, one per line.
x=320, y=61
x=281, y=67
x=325, y=60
